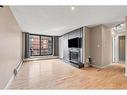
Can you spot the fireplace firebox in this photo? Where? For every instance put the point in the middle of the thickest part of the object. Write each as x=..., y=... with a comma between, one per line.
x=75, y=58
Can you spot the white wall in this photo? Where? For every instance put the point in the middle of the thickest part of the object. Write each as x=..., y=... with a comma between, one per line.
x=98, y=45
x=61, y=47
x=10, y=45
x=106, y=46
x=86, y=45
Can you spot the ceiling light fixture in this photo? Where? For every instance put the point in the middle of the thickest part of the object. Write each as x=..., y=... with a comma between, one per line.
x=72, y=8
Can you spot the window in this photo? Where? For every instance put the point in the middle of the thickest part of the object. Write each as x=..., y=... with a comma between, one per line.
x=40, y=45
x=34, y=42
x=46, y=45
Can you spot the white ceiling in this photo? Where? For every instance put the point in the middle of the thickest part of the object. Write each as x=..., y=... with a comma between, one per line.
x=57, y=20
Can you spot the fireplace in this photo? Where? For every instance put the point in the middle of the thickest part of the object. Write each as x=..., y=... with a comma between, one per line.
x=75, y=58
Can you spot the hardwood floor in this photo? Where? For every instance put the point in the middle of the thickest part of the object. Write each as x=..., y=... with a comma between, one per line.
x=55, y=74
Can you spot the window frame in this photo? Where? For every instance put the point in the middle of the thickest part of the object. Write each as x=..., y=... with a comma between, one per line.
x=40, y=36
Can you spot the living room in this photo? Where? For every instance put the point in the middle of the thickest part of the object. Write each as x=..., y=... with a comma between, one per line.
x=63, y=47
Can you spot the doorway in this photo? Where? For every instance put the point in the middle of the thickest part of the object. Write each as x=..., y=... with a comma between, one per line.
x=121, y=48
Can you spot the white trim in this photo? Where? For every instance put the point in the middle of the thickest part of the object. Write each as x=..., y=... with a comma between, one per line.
x=96, y=66
x=9, y=82
x=13, y=76
x=86, y=65
x=101, y=67
x=20, y=64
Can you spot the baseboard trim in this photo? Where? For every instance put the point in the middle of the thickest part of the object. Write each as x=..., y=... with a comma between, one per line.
x=9, y=82
x=20, y=64
x=13, y=76
x=101, y=67
x=86, y=65
x=96, y=66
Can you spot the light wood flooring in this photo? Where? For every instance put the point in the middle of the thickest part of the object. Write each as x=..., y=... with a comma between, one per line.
x=56, y=74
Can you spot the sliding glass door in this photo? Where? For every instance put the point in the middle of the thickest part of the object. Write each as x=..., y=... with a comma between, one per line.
x=34, y=43
x=40, y=45
x=46, y=45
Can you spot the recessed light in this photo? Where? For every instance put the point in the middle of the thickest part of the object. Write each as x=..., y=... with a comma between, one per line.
x=72, y=8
